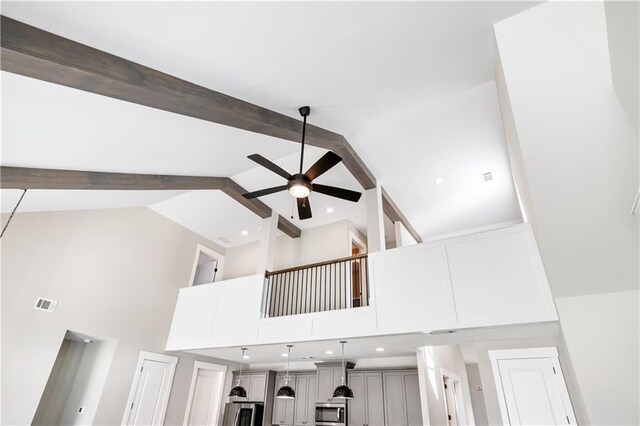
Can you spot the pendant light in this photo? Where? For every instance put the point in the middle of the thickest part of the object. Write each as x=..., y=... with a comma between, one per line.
x=238, y=391
x=286, y=391
x=343, y=391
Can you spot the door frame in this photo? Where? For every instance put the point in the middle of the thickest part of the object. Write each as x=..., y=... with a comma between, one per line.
x=151, y=356
x=456, y=391
x=527, y=353
x=208, y=251
x=218, y=392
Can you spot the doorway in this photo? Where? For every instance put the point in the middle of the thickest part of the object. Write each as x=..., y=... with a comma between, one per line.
x=149, y=394
x=77, y=380
x=358, y=285
x=207, y=266
x=531, y=387
x=452, y=398
x=205, y=395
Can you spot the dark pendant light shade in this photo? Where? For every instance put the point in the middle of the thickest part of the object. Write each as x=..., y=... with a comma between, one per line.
x=286, y=391
x=238, y=391
x=343, y=391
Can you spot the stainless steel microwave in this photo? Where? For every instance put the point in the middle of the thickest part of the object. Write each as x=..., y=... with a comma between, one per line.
x=331, y=414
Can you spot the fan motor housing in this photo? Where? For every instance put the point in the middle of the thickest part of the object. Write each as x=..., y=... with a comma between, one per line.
x=299, y=180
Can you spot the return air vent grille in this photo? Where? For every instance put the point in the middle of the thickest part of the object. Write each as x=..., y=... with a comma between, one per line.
x=487, y=177
x=46, y=305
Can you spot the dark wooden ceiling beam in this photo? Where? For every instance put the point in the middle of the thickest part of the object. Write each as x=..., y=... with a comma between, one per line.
x=32, y=52
x=30, y=178
x=391, y=210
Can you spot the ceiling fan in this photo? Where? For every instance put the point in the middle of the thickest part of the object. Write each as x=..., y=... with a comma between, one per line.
x=300, y=185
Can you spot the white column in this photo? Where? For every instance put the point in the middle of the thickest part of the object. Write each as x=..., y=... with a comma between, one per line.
x=375, y=220
x=398, y=227
x=267, y=251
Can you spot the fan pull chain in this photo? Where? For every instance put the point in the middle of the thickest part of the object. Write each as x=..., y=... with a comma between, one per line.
x=12, y=213
x=293, y=205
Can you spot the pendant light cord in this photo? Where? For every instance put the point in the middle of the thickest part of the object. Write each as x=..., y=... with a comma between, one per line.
x=304, y=130
x=241, y=363
x=14, y=212
x=286, y=379
x=343, y=370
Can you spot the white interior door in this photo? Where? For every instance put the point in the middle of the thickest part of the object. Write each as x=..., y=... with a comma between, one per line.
x=205, y=396
x=533, y=391
x=149, y=394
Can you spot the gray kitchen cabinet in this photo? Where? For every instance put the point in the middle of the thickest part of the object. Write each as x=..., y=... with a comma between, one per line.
x=375, y=399
x=311, y=400
x=304, y=413
x=258, y=388
x=357, y=407
x=283, y=409
x=401, y=398
x=367, y=406
x=329, y=377
x=325, y=383
x=394, y=406
x=412, y=398
x=256, y=384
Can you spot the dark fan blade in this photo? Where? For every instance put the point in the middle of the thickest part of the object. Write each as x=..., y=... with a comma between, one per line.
x=269, y=165
x=326, y=162
x=345, y=194
x=266, y=191
x=304, y=208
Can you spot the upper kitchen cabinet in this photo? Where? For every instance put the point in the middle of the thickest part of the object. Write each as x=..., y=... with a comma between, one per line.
x=498, y=278
x=329, y=376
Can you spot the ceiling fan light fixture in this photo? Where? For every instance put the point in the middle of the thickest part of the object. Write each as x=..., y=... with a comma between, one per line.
x=299, y=191
x=300, y=185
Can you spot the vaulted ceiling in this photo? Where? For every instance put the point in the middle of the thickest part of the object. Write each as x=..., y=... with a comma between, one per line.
x=410, y=85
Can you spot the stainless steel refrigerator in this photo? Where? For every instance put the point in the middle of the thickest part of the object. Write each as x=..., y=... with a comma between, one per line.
x=243, y=414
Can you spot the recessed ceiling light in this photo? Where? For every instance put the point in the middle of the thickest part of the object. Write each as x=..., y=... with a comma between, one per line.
x=259, y=228
x=244, y=232
x=379, y=349
x=438, y=181
x=284, y=355
x=329, y=209
x=245, y=356
x=329, y=352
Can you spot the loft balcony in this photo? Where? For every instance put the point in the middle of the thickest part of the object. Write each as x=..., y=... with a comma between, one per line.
x=486, y=279
x=318, y=287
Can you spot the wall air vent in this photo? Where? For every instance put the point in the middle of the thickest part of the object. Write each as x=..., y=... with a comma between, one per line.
x=487, y=177
x=46, y=305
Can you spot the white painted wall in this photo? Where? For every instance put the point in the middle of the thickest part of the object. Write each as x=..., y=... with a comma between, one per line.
x=477, y=396
x=623, y=23
x=578, y=148
x=601, y=334
x=437, y=358
x=115, y=274
x=318, y=244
